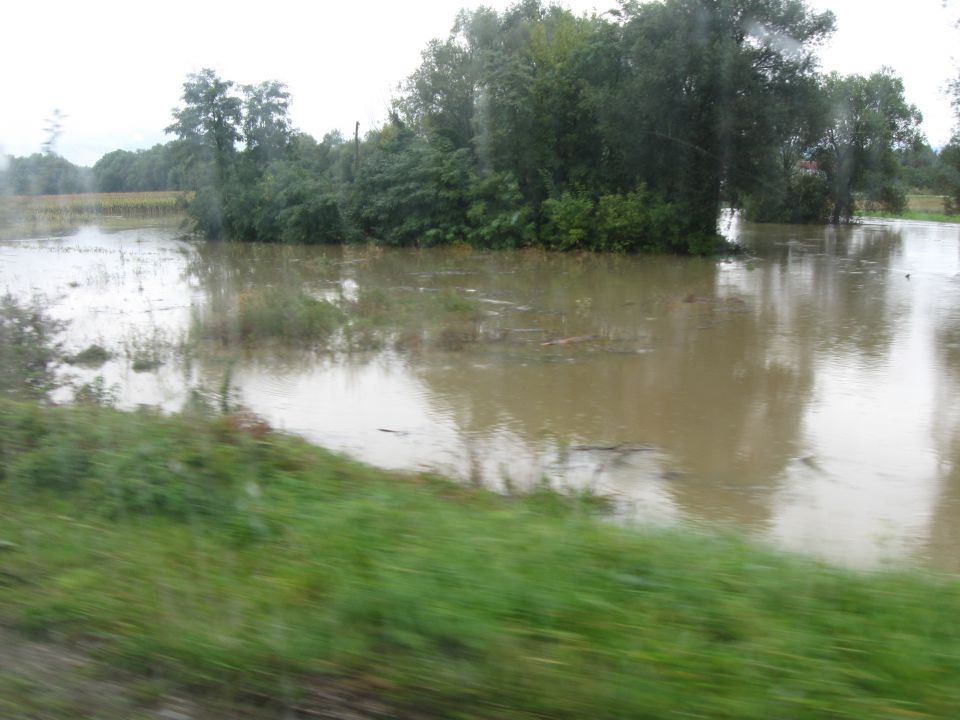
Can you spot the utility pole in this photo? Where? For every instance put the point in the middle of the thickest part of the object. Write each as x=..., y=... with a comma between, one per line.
x=356, y=157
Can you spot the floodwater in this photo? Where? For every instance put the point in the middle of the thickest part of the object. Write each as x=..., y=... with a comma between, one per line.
x=806, y=391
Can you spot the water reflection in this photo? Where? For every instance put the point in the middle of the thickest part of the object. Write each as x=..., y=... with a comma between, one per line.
x=805, y=390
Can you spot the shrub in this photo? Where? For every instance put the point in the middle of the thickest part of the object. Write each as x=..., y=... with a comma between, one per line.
x=805, y=198
x=568, y=222
x=28, y=352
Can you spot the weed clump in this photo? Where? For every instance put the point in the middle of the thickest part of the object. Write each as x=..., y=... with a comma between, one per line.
x=453, y=302
x=93, y=356
x=288, y=316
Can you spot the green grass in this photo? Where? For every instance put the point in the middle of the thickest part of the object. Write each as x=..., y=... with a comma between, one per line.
x=226, y=558
x=911, y=215
x=929, y=208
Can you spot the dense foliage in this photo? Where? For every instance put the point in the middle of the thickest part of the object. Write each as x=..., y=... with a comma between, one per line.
x=43, y=174
x=159, y=168
x=624, y=131
x=949, y=177
x=532, y=126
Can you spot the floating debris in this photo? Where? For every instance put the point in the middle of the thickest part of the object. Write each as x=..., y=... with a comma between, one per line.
x=569, y=340
x=393, y=432
x=618, y=448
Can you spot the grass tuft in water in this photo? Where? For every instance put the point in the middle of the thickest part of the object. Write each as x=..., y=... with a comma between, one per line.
x=283, y=314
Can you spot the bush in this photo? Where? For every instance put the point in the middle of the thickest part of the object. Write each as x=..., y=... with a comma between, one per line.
x=28, y=352
x=637, y=221
x=568, y=223
x=804, y=199
x=206, y=211
x=640, y=221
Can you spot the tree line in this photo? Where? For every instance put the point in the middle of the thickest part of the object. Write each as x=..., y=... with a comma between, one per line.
x=621, y=131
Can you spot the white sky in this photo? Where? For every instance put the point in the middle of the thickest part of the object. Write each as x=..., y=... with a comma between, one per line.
x=116, y=68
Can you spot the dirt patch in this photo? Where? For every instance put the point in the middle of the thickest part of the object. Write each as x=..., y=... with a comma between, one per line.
x=47, y=680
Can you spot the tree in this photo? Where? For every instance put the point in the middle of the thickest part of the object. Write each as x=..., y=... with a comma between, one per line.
x=45, y=174
x=440, y=96
x=871, y=122
x=209, y=123
x=949, y=182
x=534, y=125
x=791, y=187
x=919, y=167
x=696, y=111
x=267, y=129
x=158, y=168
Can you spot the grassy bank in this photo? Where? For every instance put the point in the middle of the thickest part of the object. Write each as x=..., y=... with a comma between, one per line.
x=219, y=556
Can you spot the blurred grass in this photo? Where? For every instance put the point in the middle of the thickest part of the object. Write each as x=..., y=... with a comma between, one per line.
x=930, y=208
x=228, y=558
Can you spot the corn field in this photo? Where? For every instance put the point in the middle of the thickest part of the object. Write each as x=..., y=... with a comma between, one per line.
x=70, y=207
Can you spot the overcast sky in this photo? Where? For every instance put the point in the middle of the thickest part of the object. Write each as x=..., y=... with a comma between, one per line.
x=116, y=69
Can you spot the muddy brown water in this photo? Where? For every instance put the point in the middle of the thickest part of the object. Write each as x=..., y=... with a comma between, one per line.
x=806, y=391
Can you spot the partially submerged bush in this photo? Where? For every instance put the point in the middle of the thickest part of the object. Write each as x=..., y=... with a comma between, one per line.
x=92, y=356
x=28, y=352
x=638, y=221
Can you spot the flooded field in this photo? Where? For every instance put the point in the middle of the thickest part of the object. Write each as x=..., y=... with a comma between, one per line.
x=806, y=391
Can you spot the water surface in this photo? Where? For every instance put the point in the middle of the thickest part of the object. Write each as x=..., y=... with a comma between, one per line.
x=805, y=391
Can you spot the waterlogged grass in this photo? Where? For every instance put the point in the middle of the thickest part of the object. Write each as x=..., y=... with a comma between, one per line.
x=284, y=314
x=220, y=556
x=412, y=319
x=291, y=316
